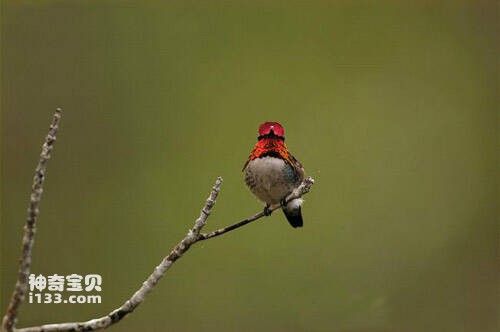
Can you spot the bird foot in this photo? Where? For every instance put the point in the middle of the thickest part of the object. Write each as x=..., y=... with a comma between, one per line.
x=267, y=210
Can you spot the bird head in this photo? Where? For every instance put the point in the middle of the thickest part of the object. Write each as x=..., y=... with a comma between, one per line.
x=271, y=130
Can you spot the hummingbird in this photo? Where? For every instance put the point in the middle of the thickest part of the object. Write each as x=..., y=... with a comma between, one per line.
x=272, y=173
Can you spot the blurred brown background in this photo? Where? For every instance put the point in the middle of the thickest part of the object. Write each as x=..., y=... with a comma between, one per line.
x=391, y=105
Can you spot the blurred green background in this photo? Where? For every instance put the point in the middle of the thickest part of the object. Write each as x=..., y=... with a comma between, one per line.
x=392, y=106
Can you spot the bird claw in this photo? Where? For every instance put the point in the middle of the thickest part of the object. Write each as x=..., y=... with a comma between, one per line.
x=283, y=202
x=267, y=210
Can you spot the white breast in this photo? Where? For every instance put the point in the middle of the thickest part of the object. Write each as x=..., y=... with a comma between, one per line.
x=267, y=179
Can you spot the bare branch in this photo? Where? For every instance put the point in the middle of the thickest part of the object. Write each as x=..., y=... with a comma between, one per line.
x=301, y=190
x=148, y=285
x=19, y=293
x=194, y=235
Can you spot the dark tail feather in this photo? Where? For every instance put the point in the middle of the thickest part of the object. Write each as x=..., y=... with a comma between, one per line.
x=294, y=217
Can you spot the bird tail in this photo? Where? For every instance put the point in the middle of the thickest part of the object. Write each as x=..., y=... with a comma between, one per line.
x=293, y=213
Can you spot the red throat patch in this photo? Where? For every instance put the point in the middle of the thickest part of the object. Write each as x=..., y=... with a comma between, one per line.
x=270, y=146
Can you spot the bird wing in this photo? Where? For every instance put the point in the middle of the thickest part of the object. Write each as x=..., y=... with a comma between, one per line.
x=246, y=164
x=297, y=166
x=250, y=157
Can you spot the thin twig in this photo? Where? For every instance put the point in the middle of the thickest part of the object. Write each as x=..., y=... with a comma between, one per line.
x=301, y=190
x=194, y=235
x=139, y=296
x=19, y=293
